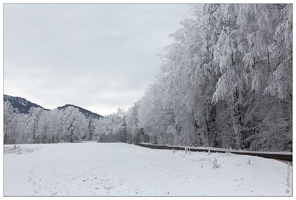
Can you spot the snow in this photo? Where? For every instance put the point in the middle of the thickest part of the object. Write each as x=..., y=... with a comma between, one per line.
x=119, y=169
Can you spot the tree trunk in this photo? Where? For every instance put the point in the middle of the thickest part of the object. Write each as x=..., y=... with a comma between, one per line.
x=211, y=126
x=237, y=123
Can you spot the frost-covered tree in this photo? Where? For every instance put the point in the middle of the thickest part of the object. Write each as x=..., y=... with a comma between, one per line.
x=53, y=129
x=74, y=124
x=224, y=71
x=246, y=57
x=10, y=123
x=155, y=116
x=32, y=123
x=112, y=128
x=41, y=126
x=135, y=133
x=90, y=134
x=132, y=118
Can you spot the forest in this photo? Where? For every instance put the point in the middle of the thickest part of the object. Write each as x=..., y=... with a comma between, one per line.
x=225, y=81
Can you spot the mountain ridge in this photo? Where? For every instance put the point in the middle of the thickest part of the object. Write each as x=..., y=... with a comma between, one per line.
x=23, y=105
x=86, y=112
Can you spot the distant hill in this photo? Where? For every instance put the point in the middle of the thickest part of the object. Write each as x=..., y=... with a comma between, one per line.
x=22, y=104
x=86, y=113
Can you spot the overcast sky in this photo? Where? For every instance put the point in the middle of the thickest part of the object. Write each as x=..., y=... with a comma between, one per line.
x=96, y=56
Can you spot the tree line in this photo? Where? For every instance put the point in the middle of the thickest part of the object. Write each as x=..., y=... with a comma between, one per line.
x=43, y=126
x=225, y=81
x=64, y=125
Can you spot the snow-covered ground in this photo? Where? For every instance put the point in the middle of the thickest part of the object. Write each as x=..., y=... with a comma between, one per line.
x=117, y=169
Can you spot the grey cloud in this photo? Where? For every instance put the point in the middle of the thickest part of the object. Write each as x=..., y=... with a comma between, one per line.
x=83, y=53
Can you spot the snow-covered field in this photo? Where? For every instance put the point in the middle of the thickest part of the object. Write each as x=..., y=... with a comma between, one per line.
x=117, y=169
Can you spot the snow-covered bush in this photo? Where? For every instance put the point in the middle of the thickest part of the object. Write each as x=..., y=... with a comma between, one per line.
x=215, y=164
x=249, y=162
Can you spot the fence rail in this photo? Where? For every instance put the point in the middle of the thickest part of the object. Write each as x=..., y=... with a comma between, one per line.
x=271, y=155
